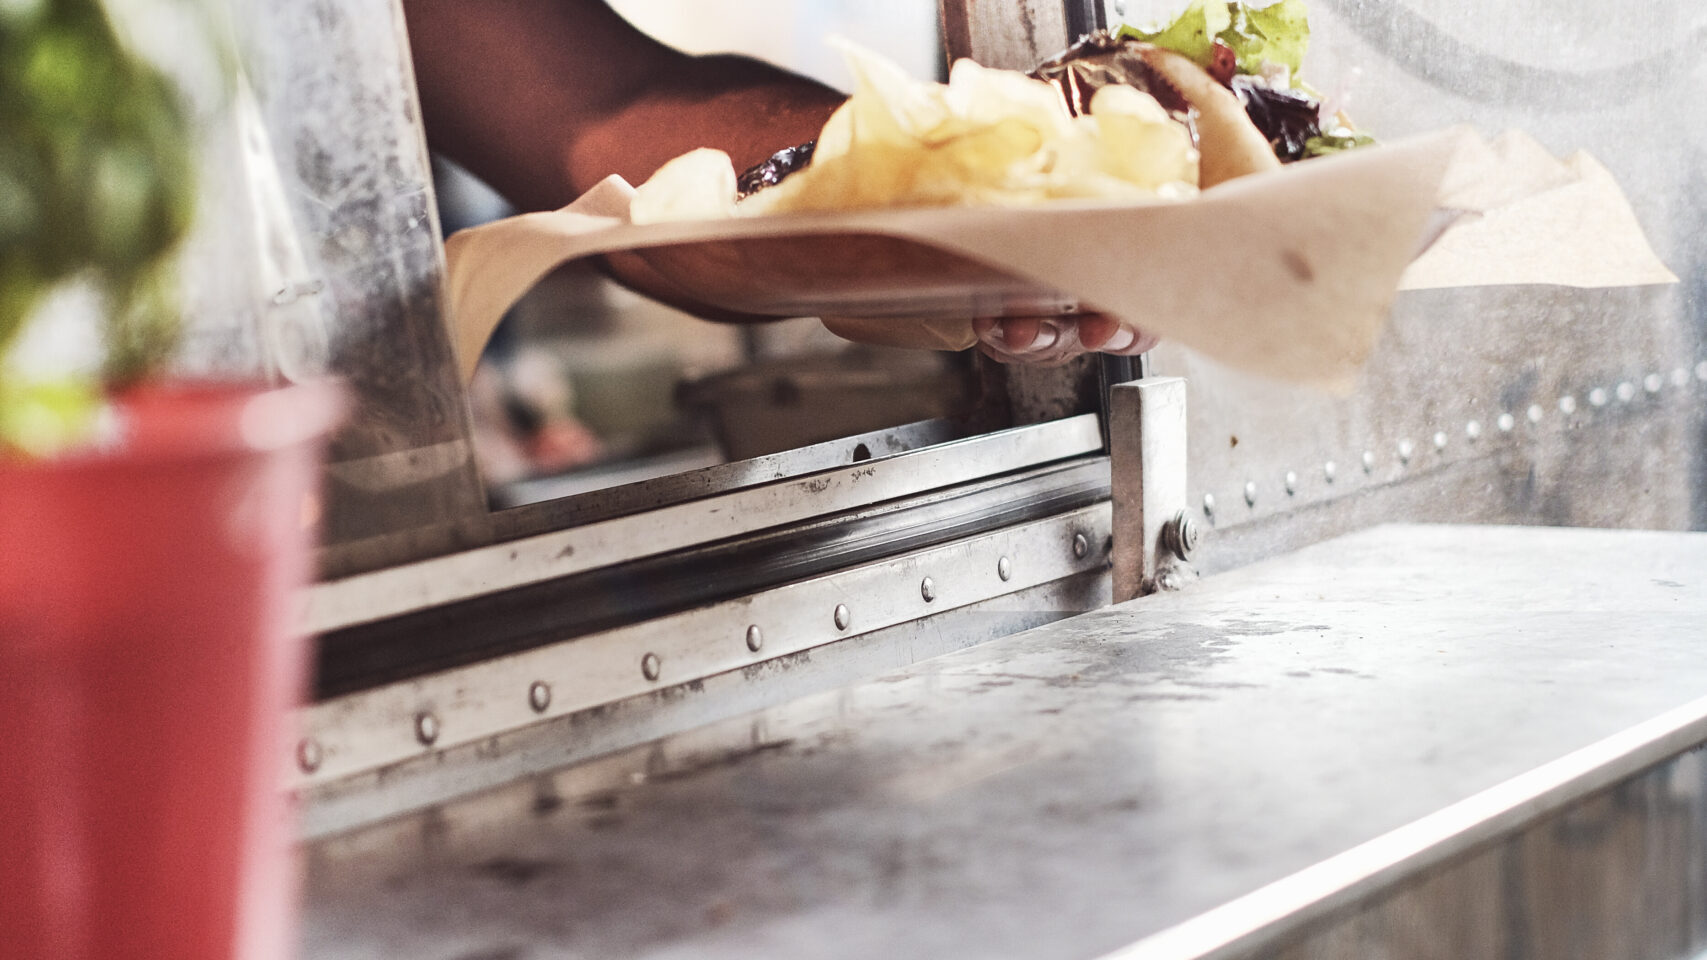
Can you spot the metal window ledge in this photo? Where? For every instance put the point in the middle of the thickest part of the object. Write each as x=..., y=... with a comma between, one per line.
x=1414, y=741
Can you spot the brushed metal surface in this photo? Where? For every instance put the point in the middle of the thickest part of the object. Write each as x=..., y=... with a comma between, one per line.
x=336, y=97
x=1455, y=363
x=1075, y=789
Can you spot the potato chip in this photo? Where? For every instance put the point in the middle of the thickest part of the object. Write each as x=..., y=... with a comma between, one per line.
x=987, y=137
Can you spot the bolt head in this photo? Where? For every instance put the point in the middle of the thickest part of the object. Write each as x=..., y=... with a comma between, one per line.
x=927, y=589
x=1473, y=430
x=426, y=728
x=1653, y=382
x=1168, y=582
x=1440, y=440
x=539, y=696
x=1597, y=397
x=651, y=667
x=1536, y=413
x=1406, y=448
x=1567, y=404
x=1005, y=569
x=1188, y=533
x=1329, y=470
x=1250, y=493
x=1506, y=422
x=755, y=638
x=1291, y=482
x=1368, y=461
x=1081, y=546
x=843, y=616
x=1626, y=391
x=1209, y=504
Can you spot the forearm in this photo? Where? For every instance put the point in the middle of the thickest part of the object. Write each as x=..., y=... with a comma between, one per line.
x=542, y=98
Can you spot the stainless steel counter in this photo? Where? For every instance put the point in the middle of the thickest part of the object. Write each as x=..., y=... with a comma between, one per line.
x=1413, y=741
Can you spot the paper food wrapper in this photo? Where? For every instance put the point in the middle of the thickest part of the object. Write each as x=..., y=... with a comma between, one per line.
x=1287, y=274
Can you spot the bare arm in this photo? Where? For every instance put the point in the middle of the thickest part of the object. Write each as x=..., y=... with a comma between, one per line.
x=543, y=98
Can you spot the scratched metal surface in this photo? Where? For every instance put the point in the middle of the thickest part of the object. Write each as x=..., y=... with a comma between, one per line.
x=1575, y=74
x=337, y=96
x=1062, y=792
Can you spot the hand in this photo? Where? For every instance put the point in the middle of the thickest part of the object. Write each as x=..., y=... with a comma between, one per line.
x=1049, y=341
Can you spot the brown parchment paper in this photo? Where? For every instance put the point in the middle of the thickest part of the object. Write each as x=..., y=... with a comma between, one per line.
x=1287, y=274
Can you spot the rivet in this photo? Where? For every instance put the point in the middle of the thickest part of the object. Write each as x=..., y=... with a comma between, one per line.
x=1473, y=430
x=1368, y=461
x=1597, y=397
x=1701, y=371
x=1536, y=413
x=1291, y=482
x=1406, y=448
x=1506, y=422
x=1440, y=440
x=1209, y=504
x=927, y=589
x=755, y=638
x=843, y=617
x=1567, y=404
x=1250, y=493
x=1081, y=546
x=1653, y=382
x=1626, y=391
x=539, y=696
x=1680, y=377
x=1328, y=471
x=1005, y=569
x=309, y=756
x=651, y=666
x=426, y=728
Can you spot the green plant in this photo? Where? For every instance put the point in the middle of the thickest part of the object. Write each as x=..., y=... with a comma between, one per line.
x=97, y=182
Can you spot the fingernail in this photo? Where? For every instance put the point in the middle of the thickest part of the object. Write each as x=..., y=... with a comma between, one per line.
x=1047, y=334
x=1123, y=337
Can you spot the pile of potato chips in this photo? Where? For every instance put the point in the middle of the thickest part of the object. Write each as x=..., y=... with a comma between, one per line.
x=987, y=137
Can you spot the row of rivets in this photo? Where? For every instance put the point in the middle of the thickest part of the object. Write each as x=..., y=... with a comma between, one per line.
x=1506, y=422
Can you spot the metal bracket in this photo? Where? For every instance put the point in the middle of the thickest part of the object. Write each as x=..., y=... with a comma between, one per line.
x=1154, y=534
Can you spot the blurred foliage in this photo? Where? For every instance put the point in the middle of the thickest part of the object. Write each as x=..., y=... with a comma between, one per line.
x=97, y=177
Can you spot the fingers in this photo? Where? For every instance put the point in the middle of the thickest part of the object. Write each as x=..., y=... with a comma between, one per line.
x=1053, y=340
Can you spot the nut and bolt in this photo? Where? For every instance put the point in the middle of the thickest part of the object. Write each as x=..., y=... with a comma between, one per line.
x=426, y=728
x=1179, y=535
x=1005, y=569
x=927, y=589
x=539, y=696
x=651, y=667
x=843, y=616
x=755, y=638
x=1081, y=546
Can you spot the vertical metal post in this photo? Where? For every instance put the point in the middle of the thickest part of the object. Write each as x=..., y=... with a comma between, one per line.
x=1153, y=534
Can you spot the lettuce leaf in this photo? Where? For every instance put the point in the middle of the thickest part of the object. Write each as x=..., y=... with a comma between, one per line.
x=1278, y=33
x=1193, y=33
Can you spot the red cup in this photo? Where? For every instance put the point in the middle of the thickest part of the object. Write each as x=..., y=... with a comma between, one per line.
x=149, y=658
